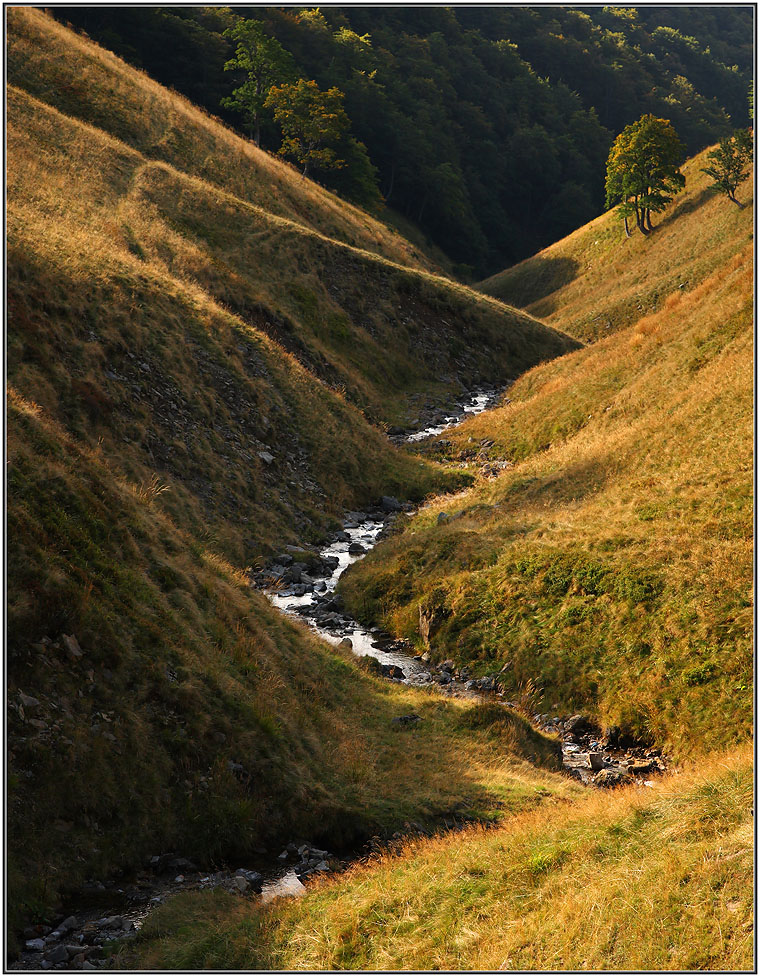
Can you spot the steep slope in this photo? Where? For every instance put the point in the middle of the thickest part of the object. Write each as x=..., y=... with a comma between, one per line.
x=156, y=703
x=179, y=318
x=608, y=566
x=88, y=82
x=373, y=328
x=654, y=879
x=596, y=280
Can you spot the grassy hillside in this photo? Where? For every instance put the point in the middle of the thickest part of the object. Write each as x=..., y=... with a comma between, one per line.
x=373, y=328
x=177, y=670
x=91, y=84
x=648, y=879
x=188, y=323
x=596, y=281
x=609, y=565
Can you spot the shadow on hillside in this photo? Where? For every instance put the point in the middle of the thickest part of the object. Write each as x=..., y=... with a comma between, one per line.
x=571, y=483
x=537, y=279
x=689, y=205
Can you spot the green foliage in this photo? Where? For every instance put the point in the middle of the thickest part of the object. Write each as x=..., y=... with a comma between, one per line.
x=492, y=146
x=700, y=673
x=643, y=170
x=309, y=119
x=731, y=163
x=264, y=61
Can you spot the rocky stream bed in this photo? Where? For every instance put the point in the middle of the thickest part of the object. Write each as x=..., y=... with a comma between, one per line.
x=302, y=582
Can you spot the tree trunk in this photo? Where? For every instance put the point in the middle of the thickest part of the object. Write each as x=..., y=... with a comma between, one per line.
x=627, y=230
x=257, y=127
x=640, y=219
x=422, y=208
x=649, y=220
x=390, y=188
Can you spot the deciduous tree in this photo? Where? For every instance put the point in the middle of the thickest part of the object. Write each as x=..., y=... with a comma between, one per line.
x=310, y=121
x=265, y=61
x=731, y=163
x=643, y=170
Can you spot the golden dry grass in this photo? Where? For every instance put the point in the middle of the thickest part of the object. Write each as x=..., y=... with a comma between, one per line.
x=179, y=304
x=653, y=878
x=611, y=562
x=596, y=280
x=89, y=83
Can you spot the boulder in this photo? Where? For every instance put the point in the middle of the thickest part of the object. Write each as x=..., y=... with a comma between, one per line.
x=356, y=549
x=611, y=778
x=576, y=725
x=57, y=954
x=389, y=503
x=254, y=879
x=71, y=645
x=409, y=720
x=35, y=946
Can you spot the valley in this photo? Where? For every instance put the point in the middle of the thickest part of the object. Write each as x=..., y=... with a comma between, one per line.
x=429, y=603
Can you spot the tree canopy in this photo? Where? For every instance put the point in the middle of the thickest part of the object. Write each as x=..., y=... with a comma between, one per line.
x=487, y=127
x=264, y=61
x=311, y=120
x=643, y=170
x=731, y=163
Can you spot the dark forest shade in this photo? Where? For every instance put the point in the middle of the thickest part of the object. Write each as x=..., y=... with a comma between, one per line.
x=487, y=127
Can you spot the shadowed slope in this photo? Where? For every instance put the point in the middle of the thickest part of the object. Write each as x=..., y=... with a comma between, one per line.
x=609, y=563
x=596, y=280
x=652, y=879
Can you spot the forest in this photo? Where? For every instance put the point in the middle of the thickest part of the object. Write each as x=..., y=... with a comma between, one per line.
x=481, y=132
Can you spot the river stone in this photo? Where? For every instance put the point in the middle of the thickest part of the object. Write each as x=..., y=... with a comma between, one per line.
x=346, y=643
x=266, y=457
x=35, y=946
x=57, y=954
x=356, y=548
x=389, y=503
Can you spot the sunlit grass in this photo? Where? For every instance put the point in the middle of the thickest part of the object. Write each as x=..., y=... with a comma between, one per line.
x=611, y=562
x=653, y=878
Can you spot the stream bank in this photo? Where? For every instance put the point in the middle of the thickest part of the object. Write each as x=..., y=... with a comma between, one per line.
x=302, y=582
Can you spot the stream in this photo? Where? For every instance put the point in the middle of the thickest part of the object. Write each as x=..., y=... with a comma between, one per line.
x=302, y=583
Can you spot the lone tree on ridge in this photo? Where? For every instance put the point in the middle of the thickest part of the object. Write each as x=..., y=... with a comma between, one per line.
x=643, y=170
x=731, y=163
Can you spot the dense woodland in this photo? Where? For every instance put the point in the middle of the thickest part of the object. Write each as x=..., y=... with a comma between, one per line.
x=488, y=128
